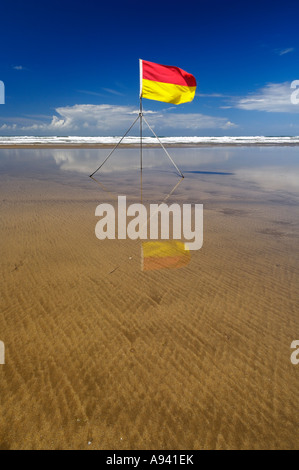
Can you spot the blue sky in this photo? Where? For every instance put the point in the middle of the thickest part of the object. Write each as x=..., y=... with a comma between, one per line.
x=71, y=68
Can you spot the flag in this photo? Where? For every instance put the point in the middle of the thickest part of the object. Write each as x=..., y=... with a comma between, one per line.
x=164, y=254
x=166, y=83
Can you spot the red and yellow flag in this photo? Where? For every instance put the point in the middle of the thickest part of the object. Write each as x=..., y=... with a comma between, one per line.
x=166, y=83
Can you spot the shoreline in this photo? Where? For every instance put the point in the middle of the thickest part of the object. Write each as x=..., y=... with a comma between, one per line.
x=146, y=145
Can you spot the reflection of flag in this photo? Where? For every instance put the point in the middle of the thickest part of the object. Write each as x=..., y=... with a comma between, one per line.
x=166, y=83
x=166, y=254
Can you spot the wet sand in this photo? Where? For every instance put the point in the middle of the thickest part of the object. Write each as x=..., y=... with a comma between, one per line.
x=100, y=355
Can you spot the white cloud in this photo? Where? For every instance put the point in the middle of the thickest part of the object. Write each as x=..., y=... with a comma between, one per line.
x=284, y=51
x=93, y=93
x=107, y=90
x=18, y=67
x=113, y=92
x=211, y=95
x=114, y=120
x=271, y=177
x=191, y=121
x=272, y=98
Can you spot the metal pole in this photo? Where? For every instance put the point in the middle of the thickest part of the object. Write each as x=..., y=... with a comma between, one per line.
x=140, y=114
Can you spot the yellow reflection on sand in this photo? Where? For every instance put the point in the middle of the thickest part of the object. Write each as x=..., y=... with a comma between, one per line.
x=170, y=254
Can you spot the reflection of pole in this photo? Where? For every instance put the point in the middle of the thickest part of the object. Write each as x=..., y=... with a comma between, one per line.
x=141, y=187
x=165, y=199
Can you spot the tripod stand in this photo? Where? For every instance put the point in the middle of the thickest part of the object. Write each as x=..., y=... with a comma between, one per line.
x=139, y=118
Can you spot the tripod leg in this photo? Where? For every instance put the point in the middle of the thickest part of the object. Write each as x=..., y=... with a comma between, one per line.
x=179, y=171
x=138, y=117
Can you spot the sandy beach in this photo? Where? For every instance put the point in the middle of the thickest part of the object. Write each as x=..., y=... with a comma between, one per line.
x=100, y=355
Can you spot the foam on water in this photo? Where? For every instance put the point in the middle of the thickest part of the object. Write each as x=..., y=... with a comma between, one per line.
x=73, y=140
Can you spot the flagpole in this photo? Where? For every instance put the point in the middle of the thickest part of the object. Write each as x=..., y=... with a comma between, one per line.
x=140, y=114
x=140, y=109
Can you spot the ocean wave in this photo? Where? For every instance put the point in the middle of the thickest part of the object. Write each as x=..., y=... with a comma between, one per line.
x=76, y=140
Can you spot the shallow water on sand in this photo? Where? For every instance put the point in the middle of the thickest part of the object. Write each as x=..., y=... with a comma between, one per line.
x=269, y=168
x=191, y=355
